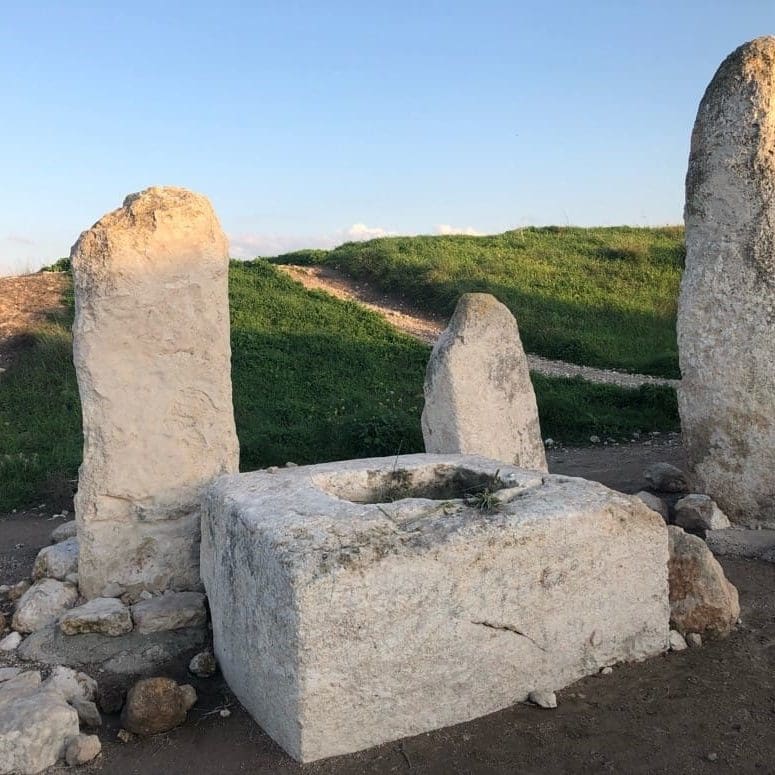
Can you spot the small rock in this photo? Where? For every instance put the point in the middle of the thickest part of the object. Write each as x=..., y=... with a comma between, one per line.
x=42, y=604
x=606, y=671
x=10, y=642
x=225, y=713
x=87, y=711
x=203, y=665
x=18, y=589
x=543, y=699
x=63, y=532
x=56, y=561
x=694, y=640
x=6, y=673
x=110, y=698
x=665, y=477
x=548, y=443
x=712, y=757
x=654, y=502
x=289, y=464
x=677, y=642
x=82, y=749
x=72, y=684
x=170, y=611
x=35, y=725
x=124, y=737
x=701, y=598
x=105, y=615
x=700, y=512
x=156, y=705
x=594, y=439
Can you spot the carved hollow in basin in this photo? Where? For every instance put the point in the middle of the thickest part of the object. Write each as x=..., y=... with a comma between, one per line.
x=438, y=482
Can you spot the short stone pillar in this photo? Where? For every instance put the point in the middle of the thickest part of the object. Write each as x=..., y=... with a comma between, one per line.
x=152, y=355
x=726, y=313
x=479, y=399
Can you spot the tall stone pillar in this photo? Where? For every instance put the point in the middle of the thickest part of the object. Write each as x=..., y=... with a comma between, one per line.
x=479, y=399
x=152, y=354
x=726, y=312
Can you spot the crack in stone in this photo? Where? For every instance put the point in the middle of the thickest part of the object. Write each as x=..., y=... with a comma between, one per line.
x=509, y=628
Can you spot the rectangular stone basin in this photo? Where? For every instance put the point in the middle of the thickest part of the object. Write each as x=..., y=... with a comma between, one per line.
x=364, y=601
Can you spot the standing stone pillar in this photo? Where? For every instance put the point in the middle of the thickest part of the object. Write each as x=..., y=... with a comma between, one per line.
x=152, y=355
x=726, y=312
x=479, y=399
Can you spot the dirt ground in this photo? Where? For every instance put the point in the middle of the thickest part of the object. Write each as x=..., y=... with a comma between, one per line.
x=703, y=710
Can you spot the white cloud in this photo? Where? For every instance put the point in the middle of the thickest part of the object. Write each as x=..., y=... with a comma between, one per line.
x=248, y=245
x=445, y=228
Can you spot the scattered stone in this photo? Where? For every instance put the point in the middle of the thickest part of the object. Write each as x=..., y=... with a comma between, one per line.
x=606, y=671
x=699, y=512
x=151, y=294
x=35, y=725
x=87, y=711
x=701, y=598
x=65, y=531
x=10, y=642
x=548, y=443
x=156, y=705
x=71, y=684
x=6, y=673
x=665, y=477
x=712, y=757
x=56, y=561
x=655, y=503
x=124, y=737
x=677, y=641
x=479, y=399
x=726, y=326
x=224, y=713
x=694, y=640
x=130, y=654
x=170, y=611
x=203, y=665
x=105, y=615
x=82, y=749
x=543, y=699
x=742, y=542
x=594, y=439
x=42, y=604
x=18, y=590
x=110, y=698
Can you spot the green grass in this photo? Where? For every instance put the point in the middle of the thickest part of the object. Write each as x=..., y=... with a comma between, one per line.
x=314, y=379
x=601, y=297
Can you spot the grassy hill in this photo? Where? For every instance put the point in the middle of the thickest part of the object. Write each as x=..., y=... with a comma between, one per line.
x=314, y=378
x=602, y=297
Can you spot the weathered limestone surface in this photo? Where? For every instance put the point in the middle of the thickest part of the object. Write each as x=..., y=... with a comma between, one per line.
x=726, y=313
x=57, y=561
x=152, y=354
x=35, y=725
x=42, y=604
x=479, y=399
x=701, y=598
x=170, y=611
x=359, y=602
x=105, y=615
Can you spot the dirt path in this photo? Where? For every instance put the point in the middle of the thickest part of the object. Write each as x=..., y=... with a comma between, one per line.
x=403, y=315
x=25, y=301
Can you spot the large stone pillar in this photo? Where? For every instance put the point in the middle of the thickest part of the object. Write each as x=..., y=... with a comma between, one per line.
x=152, y=355
x=726, y=313
x=479, y=399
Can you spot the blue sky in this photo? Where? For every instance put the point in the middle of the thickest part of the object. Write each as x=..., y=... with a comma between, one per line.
x=309, y=123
